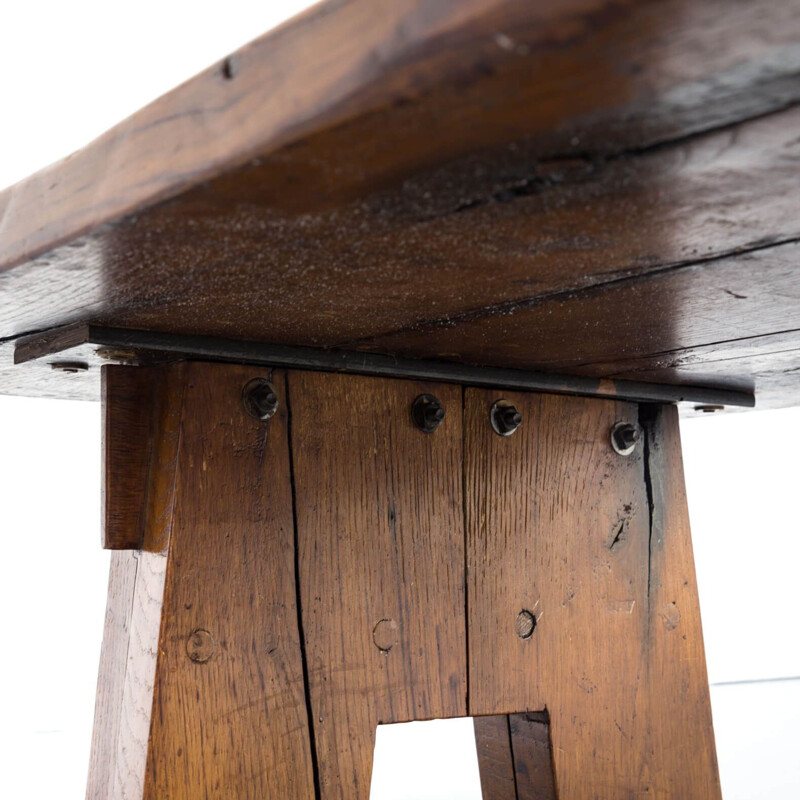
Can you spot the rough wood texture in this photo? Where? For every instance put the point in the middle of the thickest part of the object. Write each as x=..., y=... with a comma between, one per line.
x=533, y=762
x=597, y=547
x=129, y=399
x=381, y=564
x=495, y=758
x=111, y=681
x=215, y=705
x=438, y=179
x=514, y=757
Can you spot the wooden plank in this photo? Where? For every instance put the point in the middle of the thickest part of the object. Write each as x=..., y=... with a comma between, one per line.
x=596, y=547
x=129, y=402
x=636, y=323
x=111, y=676
x=381, y=564
x=578, y=76
x=593, y=223
x=533, y=758
x=495, y=759
x=213, y=701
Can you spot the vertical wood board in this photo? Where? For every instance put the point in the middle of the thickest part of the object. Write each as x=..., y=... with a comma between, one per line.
x=229, y=714
x=381, y=556
x=559, y=525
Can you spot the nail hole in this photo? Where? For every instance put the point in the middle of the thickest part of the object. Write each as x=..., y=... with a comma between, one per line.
x=200, y=646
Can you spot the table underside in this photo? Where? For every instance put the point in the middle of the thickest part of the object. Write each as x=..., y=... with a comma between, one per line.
x=580, y=187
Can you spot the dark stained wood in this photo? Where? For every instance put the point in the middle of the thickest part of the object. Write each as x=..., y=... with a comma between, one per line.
x=495, y=759
x=399, y=267
x=533, y=761
x=381, y=564
x=597, y=547
x=444, y=178
x=711, y=324
x=213, y=703
x=514, y=757
x=606, y=74
x=129, y=404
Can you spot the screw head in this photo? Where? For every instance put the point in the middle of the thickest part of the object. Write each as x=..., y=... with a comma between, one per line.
x=259, y=398
x=427, y=413
x=505, y=418
x=624, y=437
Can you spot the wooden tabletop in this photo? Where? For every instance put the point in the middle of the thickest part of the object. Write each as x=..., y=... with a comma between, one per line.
x=589, y=187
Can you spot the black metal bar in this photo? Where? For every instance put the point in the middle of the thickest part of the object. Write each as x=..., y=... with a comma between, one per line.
x=213, y=348
x=388, y=366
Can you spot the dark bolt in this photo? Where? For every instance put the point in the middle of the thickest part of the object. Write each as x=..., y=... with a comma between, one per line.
x=427, y=413
x=624, y=437
x=505, y=418
x=260, y=400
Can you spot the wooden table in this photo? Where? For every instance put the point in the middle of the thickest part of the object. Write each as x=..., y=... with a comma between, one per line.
x=303, y=281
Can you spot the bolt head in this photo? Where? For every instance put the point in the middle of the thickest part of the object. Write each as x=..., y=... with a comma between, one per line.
x=624, y=437
x=260, y=400
x=427, y=413
x=505, y=418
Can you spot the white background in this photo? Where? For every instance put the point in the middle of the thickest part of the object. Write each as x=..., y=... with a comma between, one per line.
x=68, y=71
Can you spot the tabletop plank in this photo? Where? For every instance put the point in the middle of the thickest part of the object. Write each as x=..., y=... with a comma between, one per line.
x=446, y=180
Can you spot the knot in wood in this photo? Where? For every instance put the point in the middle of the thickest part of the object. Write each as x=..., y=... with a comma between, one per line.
x=525, y=624
x=385, y=635
x=200, y=646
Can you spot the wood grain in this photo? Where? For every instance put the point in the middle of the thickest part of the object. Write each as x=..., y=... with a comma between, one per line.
x=381, y=564
x=635, y=324
x=606, y=74
x=111, y=676
x=495, y=758
x=130, y=403
x=213, y=702
x=438, y=179
x=533, y=758
x=597, y=547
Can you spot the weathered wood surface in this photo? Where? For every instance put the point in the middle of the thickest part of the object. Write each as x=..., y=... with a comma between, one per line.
x=213, y=701
x=458, y=180
x=381, y=564
x=533, y=758
x=114, y=658
x=495, y=759
x=514, y=757
x=131, y=402
x=597, y=547
x=303, y=579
